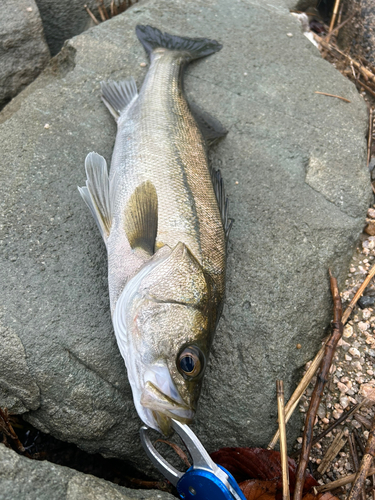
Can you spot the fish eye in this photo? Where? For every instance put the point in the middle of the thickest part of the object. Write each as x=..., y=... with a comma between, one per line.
x=190, y=362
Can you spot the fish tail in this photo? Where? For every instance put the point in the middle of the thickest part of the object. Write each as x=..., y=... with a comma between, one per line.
x=152, y=38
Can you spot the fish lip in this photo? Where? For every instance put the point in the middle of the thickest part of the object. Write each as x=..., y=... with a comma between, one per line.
x=160, y=403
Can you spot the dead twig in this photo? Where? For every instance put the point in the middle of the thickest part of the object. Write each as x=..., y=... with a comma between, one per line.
x=283, y=445
x=340, y=482
x=177, y=449
x=297, y=394
x=358, y=295
x=7, y=429
x=333, y=19
x=319, y=387
x=149, y=485
x=366, y=462
x=332, y=95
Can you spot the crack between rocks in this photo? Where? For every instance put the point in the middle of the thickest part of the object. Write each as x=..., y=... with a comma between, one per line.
x=331, y=202
x=74, y=356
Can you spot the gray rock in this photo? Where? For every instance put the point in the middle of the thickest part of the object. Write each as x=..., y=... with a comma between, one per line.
x=23, y=50
x=25, y=479
x=64, y=19
x=294, y=165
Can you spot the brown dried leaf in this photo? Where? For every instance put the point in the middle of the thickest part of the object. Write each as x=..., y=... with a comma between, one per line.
x=253, y=489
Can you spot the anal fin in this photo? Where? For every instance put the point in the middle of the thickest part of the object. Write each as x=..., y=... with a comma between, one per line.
x=141, y=218
x=96, y=193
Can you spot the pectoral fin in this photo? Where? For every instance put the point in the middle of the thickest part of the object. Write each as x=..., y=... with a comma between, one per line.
x=141, y=218
x=96, y=193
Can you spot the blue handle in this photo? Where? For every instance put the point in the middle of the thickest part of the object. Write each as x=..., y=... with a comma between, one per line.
x=200, y=484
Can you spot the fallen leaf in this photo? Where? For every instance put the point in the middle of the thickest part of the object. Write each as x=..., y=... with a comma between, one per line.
x=253, y=489
x=257, y=463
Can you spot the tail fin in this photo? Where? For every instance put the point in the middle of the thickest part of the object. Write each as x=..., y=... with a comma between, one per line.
x=152, y=38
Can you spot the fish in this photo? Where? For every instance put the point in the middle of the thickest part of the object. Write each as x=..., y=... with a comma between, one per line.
x=163, y=215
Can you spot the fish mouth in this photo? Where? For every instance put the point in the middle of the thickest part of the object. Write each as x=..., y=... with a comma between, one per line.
x=164, y=408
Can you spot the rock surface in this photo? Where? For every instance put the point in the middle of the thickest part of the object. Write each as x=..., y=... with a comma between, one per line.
x=294, y=165
x=64, y=19
x=25, y=479
x=23, y=49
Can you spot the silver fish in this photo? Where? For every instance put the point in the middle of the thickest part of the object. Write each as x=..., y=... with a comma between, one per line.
x=164, y=219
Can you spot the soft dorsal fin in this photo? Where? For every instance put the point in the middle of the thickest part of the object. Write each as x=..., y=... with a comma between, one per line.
x=141, y=218
x=118, y=95
x=222, y=200
x=96, y=193
x=212, y=130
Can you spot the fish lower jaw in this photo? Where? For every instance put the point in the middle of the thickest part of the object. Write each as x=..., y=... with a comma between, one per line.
x=161, y=409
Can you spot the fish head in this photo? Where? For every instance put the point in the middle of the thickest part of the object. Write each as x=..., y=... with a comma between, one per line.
x=164, y=323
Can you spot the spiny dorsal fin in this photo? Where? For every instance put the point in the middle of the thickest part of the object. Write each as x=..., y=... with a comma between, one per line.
x=222, y=200
x=212, y=130
x=118, y=95
x=96, y=194
x=141, y=218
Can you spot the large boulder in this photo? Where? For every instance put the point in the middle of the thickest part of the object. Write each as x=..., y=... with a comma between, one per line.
x=25, y=479
x=23, y=49
x=294, y=165
x=64, y=19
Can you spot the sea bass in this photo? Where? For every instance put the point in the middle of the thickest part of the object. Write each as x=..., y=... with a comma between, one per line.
x=164, y=219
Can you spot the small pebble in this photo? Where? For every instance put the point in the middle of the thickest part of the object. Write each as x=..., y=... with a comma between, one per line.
x=143, y=64
x=289, y=34
x=47, y=125
x=354, y=352
x=336, y=414
x=29, y=9
x=348, y=331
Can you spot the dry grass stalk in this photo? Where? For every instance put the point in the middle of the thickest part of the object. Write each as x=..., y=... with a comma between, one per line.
x=333, y=19
x=283, y=445
x=316, y=397
x=91, y=14
x=364, y=421
x=369, y=141
x=114, y=10
x=332, y=95
x=101, y=13
x=331, y=453
x=366, y=87
x=340, y=482
x=346, y=414
x=297, y=394
x=358, y=295
x=366, y=463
